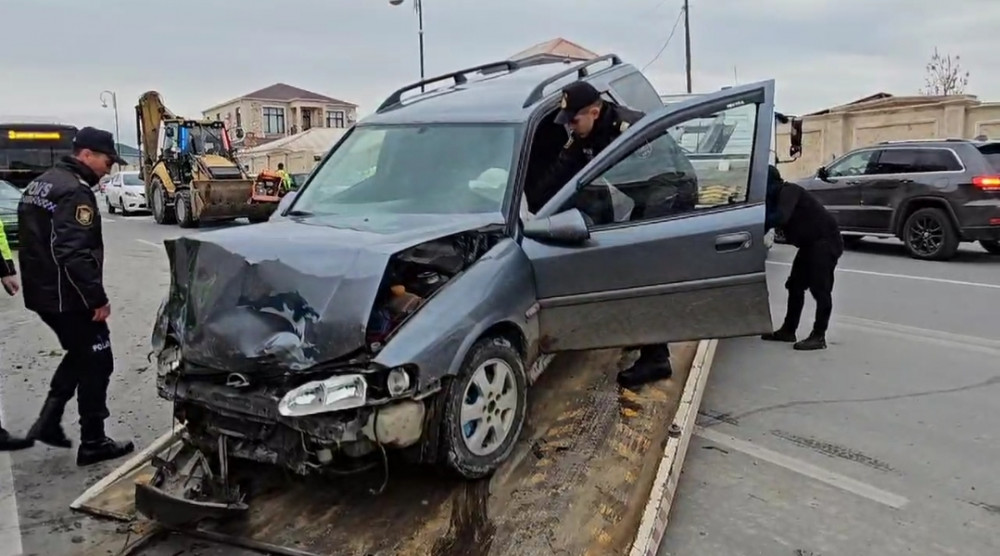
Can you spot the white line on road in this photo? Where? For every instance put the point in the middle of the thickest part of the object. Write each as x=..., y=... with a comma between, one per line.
x=10, y=524
x=106, y=219
x=147, y=242
x=948, y=339
x=830, y=478
x=906, y=276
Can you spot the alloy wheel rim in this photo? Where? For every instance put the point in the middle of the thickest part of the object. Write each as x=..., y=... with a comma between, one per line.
x=926, y=235
x=488, y=407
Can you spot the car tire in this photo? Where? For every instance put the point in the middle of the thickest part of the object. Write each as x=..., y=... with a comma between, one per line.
x=162, y=214
x=183, y=210
x=929, y=235
x=991, y=246
x=125, y=212
x=495, y=363
x=111, y=208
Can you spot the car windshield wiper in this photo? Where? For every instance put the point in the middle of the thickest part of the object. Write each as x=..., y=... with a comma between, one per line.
x=300, y=213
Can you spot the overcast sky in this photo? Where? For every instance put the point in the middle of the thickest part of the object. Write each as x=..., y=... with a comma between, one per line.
x=60, y=54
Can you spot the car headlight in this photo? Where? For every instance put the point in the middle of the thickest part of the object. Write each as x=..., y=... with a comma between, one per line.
x=131, y=194
x=333, y=394
x=397, y=382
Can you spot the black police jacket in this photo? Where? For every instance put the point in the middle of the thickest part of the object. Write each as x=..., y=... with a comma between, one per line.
x=61, y=245
x=578, y=151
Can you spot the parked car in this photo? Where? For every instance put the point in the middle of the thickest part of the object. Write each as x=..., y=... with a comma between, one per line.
x=10, y=196
x=405, y=298
x=126, y=192
x=932, y=195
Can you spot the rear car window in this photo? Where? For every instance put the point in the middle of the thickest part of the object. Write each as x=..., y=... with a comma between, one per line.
x=991, y=153
x=909, y=161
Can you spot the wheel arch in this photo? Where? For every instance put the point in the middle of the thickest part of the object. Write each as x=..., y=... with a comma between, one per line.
x=916, y=203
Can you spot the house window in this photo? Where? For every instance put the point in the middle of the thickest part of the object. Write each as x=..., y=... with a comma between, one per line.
x=334, y=118
x=274, y=120
x=239, y=118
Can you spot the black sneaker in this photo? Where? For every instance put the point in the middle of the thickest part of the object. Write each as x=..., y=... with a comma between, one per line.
x=11, y=443
x=813, y=342
x=779, y=335
x=92, y=452
x=644, y=373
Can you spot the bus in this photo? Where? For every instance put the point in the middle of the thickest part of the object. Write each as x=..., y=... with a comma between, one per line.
x=27, y=150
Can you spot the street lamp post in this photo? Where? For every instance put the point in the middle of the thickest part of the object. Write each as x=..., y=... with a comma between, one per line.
x=418, y=5
x=114, y=105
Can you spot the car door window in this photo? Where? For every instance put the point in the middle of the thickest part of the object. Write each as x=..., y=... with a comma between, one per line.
x=636, y=92
x=897, y=161
x=659, y=179
x=937, y=160
x=855, y=164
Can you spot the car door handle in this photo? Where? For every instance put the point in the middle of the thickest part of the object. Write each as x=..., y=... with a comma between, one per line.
x=732, y=242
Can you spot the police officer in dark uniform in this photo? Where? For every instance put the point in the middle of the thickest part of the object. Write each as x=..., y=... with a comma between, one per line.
x=806, y=224
x=62, y=260
x=594, y=123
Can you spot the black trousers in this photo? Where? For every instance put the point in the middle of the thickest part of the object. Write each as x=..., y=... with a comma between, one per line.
x=653, y=354
x=813, y=270
x=85, y=369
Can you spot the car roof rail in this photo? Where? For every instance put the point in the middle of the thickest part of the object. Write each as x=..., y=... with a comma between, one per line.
x=459, y=76
x=581, y=70
x=903, y=141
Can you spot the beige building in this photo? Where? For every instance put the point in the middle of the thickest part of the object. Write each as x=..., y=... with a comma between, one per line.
x=282, y=110
x=830, y=133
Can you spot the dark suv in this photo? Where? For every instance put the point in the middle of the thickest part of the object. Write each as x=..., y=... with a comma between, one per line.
x=931, y=194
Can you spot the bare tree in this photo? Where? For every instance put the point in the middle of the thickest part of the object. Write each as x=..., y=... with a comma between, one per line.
x=945, y=75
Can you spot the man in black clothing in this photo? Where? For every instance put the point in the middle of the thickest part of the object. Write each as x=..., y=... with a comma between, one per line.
x=62, y=259
x=806, y=224
x=594, y=123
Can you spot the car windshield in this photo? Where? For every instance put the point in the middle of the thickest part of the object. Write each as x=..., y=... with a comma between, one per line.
x=131, y=179
x=414, y=169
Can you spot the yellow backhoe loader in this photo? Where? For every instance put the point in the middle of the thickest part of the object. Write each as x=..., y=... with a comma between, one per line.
x=190, y=171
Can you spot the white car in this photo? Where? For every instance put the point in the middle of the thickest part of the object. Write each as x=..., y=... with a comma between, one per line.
x=125, y=192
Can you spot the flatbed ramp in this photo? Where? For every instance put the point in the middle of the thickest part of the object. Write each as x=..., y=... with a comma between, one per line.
x=594, y=474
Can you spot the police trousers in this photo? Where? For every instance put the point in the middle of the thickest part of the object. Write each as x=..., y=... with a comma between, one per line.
x=85, y=369
x=813, y=270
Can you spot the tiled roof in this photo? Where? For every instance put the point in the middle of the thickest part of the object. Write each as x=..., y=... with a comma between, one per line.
x=556, y=47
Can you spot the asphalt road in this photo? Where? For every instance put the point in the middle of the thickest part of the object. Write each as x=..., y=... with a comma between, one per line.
x=886, y=443
x=883, y=444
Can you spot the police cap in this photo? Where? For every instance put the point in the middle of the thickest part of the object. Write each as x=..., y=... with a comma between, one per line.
x=99, y=141
x=575, y=97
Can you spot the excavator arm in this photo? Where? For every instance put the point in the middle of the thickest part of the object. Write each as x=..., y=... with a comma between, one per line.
x=149, y=115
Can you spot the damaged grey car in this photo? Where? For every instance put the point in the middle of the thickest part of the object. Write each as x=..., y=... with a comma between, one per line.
x=404, y=298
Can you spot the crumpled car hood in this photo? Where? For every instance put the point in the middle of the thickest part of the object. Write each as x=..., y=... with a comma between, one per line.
x=288, y=294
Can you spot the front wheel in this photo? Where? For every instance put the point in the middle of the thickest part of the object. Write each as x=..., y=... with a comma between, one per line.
x=183, y=210
x=929, y=235
x=991, y=246
x=162, y=214
x=107, y=201
x=484, y=409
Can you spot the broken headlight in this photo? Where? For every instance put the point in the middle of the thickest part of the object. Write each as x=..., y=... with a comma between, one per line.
x=333, y=394
x=168, y=360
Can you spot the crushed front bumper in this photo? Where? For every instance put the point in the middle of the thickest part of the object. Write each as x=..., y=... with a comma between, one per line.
x=249, y=419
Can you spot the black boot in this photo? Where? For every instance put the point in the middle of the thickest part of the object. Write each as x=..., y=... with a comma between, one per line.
x=48, y=428
x=779, y=335
x=10, y=443
x=644, y=371
x=813, y=342
x=96, y=447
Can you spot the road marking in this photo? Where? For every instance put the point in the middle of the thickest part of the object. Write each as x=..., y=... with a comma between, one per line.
x=10, y=524
x=906, y=276
x=825, y=476
x=106, y=219
x=948, y=339
x=147, y=242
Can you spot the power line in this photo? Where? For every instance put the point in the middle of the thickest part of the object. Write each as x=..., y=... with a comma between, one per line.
x=677, y=22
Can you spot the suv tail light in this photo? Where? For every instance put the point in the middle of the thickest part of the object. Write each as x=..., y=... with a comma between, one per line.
x=987, y=183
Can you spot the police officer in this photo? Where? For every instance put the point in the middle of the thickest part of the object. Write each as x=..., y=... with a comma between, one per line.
x=62, y=260
x=594, y=123
x=8, y=277
x=806, y=224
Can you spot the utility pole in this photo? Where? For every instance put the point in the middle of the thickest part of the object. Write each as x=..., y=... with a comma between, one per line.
x=687, y=43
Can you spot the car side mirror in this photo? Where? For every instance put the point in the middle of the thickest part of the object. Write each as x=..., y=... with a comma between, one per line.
x=568, y=226
x=822, y=173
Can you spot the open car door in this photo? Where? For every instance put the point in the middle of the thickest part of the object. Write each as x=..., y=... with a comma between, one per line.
x=648, y=244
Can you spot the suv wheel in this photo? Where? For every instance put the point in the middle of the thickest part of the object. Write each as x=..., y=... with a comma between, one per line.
x=929, y=235
x=991, y=246
x=484, y=409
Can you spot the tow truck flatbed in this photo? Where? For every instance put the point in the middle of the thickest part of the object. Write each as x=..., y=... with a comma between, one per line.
x=593, y=474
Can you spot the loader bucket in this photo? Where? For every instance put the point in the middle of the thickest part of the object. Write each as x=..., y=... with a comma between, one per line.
x=220, y=199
